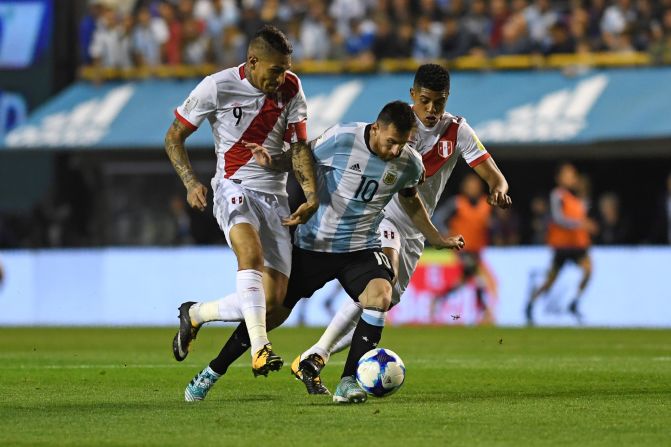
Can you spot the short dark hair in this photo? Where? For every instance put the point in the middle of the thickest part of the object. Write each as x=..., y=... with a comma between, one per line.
x=273, y=38
x=433, y=77
x=399, y=114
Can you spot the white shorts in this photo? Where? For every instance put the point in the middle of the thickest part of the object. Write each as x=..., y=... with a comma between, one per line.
x=409, y=251
x=234, y=204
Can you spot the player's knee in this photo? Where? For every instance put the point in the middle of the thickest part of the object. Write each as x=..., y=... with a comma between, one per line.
x=379, y=295
x=250, y=257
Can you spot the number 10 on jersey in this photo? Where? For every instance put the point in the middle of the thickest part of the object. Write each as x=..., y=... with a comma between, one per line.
x=367, y=189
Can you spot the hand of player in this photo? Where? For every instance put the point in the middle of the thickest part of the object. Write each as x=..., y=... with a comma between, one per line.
x=453, y=242
x=260, y=153
x=196, y=195
x=301, y=215
x=500, y=199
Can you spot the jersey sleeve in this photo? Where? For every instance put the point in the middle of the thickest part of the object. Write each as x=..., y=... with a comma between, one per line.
x=324, y=147
x=472, y=150
x=416, y=169
x=297, y=129
x=201, y=102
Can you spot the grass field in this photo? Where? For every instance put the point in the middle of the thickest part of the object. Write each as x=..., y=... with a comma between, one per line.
x=464, y=386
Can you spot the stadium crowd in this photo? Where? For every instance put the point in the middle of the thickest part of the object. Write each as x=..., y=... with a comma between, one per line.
x=131, y=33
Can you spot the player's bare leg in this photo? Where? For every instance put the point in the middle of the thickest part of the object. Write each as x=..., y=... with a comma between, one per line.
x=375, y=299
x=586, y=267
x=250, y=288
x=547, y=285
x=337, y=337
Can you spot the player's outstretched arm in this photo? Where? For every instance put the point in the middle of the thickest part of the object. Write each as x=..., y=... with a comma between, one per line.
x=196, y=192
x=304, y=170
x=498, y=186
x=420, y=217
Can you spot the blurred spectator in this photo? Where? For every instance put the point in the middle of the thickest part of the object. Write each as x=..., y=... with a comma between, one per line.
x=314, y=33
x=477, y=25
x=427, y=39
x=111, y=43
x=231, y=49
x=661, y=228
x=172, y=48
x=196, y=46
x=87, y=28
x=540, y=16
x=181, y=221
x=540, y=219
x=388, y=43
x=560, y=41
x=148, y=36
x=612, y=229
x=514, y=38
x=498, y=11
x=360, y=39
x=454, y=43
x=504, y=227
x=345, y=12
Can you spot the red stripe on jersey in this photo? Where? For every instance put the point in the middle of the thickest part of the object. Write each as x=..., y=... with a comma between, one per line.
x=185, y=121
x=442, y=150
x=289, y=88
x=479, y=160
x=241, y=70
x=257, y=132
x=296, y=132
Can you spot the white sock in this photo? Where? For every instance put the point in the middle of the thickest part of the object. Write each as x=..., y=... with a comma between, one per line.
x=223, y=309
x=339, y=331
x=253, y=306
x=344, y=342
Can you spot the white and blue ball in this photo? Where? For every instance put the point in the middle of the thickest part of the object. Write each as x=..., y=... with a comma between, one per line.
x=380, y=372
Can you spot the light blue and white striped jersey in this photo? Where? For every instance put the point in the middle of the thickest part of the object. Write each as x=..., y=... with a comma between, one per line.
x=354, y=185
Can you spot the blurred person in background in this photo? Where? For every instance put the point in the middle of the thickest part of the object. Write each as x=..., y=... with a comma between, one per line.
x=540, y=16
x=613, y=230
x=568, y=235
x=196, y=48
x=111, y=44
x=469, y=213
x=540, y=220
x=427, y=39
x=314, y=32
x=148, y=37
x=504, y=228
x=661, y=227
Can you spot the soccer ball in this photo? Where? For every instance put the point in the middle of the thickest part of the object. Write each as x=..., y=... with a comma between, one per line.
x=380, y=372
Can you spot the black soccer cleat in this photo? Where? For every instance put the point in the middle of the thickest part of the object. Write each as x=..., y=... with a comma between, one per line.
x=265, y=360
x=308, y=372
x=186, y=334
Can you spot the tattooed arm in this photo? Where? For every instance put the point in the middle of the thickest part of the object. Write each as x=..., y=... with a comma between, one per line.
x=304, y=170
x=196, y=192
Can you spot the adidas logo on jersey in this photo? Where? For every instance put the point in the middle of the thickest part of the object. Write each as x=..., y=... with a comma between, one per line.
x=355, y=167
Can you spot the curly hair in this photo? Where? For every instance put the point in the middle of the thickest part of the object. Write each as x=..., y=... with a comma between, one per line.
x=433, y=77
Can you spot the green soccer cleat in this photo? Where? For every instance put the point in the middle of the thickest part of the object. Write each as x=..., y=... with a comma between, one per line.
x=200, y=385
x=349, y=392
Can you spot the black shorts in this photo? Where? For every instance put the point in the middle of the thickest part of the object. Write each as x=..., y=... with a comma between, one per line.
x=562, y=255
x=470, y=261
x=310, y=270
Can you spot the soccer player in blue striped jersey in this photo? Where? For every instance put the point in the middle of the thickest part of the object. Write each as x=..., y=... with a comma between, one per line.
x=360, y=168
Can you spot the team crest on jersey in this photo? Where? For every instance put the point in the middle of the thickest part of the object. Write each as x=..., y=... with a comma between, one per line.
x=445, y=148
x=389, y=177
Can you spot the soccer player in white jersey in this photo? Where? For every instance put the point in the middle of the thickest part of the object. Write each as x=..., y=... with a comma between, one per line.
x=360, y=168
x=258, y=102
x=441, y=138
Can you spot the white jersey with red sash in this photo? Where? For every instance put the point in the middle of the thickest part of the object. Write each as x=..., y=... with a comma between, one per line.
x=238, y=112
